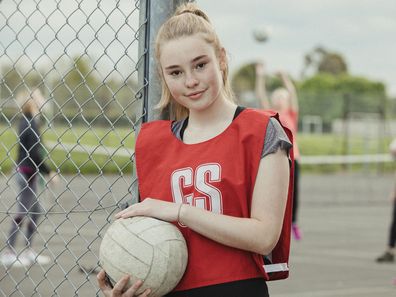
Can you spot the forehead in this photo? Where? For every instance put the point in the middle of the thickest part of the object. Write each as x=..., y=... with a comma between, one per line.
x=184, y=49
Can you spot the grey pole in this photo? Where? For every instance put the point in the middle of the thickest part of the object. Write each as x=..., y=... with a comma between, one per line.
x=153, y=13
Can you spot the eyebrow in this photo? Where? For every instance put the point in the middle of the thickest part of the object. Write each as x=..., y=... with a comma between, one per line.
x=192, y=61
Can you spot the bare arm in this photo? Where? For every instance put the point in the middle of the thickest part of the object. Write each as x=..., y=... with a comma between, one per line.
x=259, y=234
x=291, y=89
x=260, y=89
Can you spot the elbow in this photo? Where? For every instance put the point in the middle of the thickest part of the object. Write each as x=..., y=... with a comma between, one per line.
x=268, y=243
x=267, y=248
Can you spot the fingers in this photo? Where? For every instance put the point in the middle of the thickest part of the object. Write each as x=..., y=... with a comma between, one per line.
x=133, y=210
x=119, y=287
x=135, y=287
x=124, y=213
x=103, y=285
x=145, y=293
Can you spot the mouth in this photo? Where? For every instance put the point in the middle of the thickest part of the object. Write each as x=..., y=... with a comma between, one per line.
x=195, y=95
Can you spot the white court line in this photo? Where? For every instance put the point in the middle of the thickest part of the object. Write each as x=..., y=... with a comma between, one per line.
x=90, y=149
x=346, y=159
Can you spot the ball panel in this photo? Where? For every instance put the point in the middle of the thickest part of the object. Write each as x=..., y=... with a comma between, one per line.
x=177, y=257
x=117, y=259
x=129, y=241
x=138, y=225
x=116, y=270
x=148, y=249
x=156, y=276
x=160, y=233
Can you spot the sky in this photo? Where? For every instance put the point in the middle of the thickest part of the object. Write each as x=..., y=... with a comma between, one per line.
x=363, y=31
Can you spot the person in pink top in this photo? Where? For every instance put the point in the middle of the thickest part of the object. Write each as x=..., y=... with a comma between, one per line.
x=284, y=100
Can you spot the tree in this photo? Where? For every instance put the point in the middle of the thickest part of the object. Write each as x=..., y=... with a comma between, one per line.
x=14, y=79
x=243, y=84
x=74, y=90
x=325, y=94
x=321, y=60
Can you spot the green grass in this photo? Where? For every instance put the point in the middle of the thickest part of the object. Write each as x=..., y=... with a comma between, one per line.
x=74, y=161
x=332, y=144
x=79, y=162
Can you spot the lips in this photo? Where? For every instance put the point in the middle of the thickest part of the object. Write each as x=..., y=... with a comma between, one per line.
x=195, y=95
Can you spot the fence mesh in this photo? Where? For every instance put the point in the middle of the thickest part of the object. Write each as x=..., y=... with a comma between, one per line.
x=77, y=61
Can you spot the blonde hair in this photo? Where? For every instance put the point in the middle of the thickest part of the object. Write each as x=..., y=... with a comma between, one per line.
x=30, y=101
x=280, y=93
x=188, y=20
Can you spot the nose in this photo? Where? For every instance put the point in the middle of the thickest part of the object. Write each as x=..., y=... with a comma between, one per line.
x=191, y=81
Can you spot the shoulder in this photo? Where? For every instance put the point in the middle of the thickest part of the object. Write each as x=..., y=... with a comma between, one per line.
x=259, y=116
x=153, y=130
x=257, y=113
x=155, y=125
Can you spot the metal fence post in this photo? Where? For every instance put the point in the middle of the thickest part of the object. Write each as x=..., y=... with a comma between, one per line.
x=156, y=12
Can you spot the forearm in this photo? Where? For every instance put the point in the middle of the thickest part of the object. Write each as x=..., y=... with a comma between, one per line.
x=292, y=91
x=243, y=233
x=261, y=92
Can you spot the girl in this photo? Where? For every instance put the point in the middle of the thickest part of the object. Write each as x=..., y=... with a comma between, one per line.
x=210, y=171
x=30, y=163
x=284, y=100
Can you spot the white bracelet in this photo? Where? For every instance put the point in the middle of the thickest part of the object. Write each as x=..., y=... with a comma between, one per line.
x=178, y=212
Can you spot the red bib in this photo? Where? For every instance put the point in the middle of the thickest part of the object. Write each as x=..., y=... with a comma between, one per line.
x=217, y=175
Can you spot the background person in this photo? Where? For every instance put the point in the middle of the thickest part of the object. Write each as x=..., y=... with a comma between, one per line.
x=30, y=164
x=284, y=100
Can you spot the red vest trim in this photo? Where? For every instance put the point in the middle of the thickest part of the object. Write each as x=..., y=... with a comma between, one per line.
x=218, y=175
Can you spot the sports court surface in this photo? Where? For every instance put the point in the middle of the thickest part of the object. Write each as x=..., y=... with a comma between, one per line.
x=344, y=218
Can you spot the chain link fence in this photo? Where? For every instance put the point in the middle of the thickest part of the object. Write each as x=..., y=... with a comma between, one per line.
x=85, y=64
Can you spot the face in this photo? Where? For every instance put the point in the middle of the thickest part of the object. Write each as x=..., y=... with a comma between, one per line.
x=191, y=71
x=280, y=99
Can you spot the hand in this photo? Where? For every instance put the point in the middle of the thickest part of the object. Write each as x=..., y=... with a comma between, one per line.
x=119, y=287
x=166, y=211
x=260, y=68
x=281, y=73
x=278, y=73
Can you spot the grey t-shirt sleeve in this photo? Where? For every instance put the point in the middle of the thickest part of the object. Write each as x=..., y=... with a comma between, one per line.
x=177, y=127
x=275, y=138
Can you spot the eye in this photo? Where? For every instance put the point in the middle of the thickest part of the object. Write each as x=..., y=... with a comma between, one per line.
x=175, y=73
x=200, y=65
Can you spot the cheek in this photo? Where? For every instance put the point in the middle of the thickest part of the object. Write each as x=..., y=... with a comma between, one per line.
x=215, y=76
x=173, y=87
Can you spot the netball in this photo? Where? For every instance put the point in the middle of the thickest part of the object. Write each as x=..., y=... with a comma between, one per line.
x=148, y=249
x=261, y=34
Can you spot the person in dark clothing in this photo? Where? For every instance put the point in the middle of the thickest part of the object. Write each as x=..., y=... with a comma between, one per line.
x=389, y=254
x=30, y=164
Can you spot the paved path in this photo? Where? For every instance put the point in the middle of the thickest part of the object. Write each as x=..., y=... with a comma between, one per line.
x=345, y=220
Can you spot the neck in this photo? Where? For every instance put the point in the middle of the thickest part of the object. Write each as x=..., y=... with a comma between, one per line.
x=220, y=111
